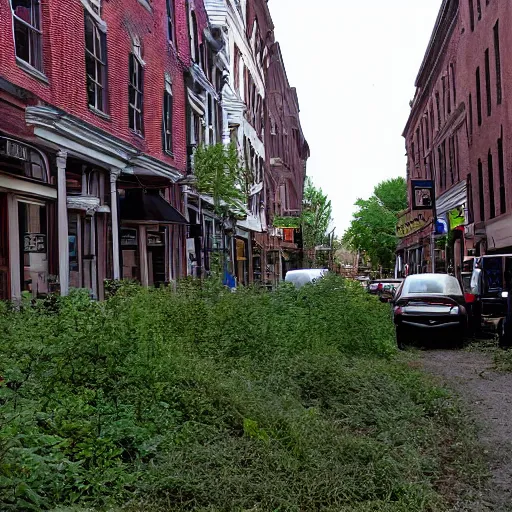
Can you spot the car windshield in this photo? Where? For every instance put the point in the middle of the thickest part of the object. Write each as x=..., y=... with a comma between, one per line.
x=432, y=284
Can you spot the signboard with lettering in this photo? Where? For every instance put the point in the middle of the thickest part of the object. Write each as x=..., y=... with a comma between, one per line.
x=128, y=237
x=34, y=243
x=423, y=194
x=413, y=221
x=155, y=239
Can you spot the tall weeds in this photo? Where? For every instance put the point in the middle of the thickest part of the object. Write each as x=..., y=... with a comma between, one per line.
x=203, y=399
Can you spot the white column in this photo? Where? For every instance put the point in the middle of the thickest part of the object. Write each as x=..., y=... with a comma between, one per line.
x=63, y=233
x=114, y=175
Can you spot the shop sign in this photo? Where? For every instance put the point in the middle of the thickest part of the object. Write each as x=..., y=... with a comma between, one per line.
x=16, y=150
x=128, y=237
x=422, y=194
x=413, y=221
x=34, y=243
x=155, y=239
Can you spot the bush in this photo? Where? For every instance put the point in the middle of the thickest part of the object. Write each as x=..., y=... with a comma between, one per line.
x=203, y=399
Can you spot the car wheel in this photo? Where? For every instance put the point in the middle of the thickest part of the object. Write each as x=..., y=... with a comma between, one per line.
x=400, y=338
x=459, y=338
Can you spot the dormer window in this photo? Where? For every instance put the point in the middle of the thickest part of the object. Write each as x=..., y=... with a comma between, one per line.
x=27, y=32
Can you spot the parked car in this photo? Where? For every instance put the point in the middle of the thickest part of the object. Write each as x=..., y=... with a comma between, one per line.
x=430, y=305
x=384, y=288
x=488, y=293
x=299, y=278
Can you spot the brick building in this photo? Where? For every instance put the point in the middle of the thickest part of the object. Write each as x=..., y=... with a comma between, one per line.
x=101, y=106
x=93, y=137
x=458, y=135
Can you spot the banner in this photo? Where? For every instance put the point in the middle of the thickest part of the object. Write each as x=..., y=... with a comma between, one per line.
x=411, y=222
x=457, y=217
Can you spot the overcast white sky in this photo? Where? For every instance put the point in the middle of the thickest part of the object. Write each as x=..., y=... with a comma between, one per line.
x=353, y=63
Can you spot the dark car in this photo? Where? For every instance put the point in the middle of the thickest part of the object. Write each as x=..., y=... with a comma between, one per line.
x=384, y=288
x=430, y=305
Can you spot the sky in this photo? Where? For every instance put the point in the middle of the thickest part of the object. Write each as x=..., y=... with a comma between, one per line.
x=354, y=64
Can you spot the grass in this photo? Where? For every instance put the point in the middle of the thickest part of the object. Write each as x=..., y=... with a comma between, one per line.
x=214, y=401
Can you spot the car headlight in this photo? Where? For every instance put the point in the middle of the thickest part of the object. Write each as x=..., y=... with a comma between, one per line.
x=455, y=310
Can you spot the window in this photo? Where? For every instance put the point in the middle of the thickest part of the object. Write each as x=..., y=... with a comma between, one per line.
x=27, y=32
x=498, y=61
x=488, y=82
x=196, y=56
x=136, y=94
x=451, y=151
x=471, y=15
x=438, y=106
x=481, y=196
x=452, y=68
x=490, y=172
x=501, y=163
x=443, y=164
x=167, y=120
x=95, y=63
x=171, y=32
x=478, y=97
x=479, y=9
x=470, y=115
x=470, y=199
x=427, y=131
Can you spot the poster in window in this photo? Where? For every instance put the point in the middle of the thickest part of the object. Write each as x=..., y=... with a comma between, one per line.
x=423, y=194
x=128, y=237
x=34, y=243
x=155, y=239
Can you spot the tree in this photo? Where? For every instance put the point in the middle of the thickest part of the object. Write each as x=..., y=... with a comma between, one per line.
x=220, y=174
x=372, y=229
x=316, y=216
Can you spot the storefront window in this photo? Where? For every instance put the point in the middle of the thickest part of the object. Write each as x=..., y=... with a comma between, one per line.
x=33, y=247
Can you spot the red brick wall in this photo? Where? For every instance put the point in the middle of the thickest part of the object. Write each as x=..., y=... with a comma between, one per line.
x=64, y=66
x=466, y=51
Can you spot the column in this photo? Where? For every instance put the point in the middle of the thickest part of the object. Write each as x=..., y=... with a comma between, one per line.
x=62, y=211
x=143, y=256
x=114, y=175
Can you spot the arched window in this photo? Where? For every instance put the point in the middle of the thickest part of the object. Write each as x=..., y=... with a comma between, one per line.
x=23, y=160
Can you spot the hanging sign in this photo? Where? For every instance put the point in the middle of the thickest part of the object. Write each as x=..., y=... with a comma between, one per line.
x=411, y=222
x=423, y=195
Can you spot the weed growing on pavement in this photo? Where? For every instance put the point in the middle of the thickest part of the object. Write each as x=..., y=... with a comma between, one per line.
x=203, y=399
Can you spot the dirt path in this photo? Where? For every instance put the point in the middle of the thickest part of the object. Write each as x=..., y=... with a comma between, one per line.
x=489, y=396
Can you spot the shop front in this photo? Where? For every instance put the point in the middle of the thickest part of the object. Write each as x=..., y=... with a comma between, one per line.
x=27, y=221
x=148, y=221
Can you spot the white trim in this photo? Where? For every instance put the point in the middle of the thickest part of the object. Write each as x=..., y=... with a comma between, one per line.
x=27, y=187
x=101, y=24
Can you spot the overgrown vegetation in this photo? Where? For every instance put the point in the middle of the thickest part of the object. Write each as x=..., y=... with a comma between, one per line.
x=209, y=400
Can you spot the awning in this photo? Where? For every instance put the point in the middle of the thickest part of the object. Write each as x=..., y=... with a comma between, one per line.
x=454, y=197
x=149, y=206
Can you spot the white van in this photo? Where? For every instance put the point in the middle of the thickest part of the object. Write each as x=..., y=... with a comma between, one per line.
x=299, y=278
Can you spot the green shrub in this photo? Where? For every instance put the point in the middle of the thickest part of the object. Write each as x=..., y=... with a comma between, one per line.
x=204, y=399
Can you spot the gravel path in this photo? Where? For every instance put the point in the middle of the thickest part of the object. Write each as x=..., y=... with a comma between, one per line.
x=488, y=394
